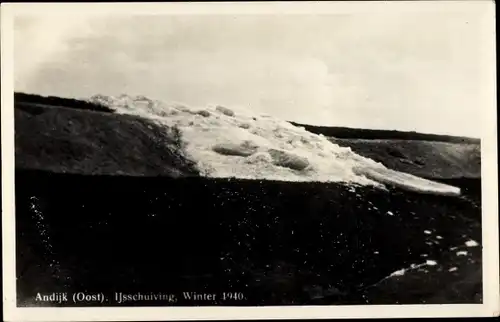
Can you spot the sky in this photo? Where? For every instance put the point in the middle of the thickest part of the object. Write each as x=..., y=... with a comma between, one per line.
x=419, y=71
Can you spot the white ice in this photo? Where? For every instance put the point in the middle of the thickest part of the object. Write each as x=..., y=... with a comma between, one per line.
x=234, y=142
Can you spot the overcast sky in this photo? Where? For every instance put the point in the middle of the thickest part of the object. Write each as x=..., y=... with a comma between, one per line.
x=412, y=71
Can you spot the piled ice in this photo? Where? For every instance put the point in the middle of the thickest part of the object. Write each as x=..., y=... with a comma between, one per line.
x=229, y=142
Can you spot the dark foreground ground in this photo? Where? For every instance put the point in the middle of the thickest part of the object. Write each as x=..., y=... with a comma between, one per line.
x=268, y=243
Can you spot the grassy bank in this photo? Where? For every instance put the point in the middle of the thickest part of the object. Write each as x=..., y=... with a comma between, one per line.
x=428, y=159
x=369, y=134
x=69, y=140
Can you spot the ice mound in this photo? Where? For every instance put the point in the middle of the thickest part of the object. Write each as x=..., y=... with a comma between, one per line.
x=231, y=142
x=407, y=181
x=288, y=160
x=245, y=148
x=225, y=110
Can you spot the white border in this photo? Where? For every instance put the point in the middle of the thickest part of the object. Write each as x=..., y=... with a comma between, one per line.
x=491, y=305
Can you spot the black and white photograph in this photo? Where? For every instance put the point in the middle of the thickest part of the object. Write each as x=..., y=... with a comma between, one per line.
x=248, y=156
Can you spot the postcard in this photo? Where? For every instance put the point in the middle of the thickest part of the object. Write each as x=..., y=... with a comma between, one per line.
x=249, y=160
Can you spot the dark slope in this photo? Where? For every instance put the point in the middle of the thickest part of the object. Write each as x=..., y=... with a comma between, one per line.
x=431, y=156
x=278, y=243
x=369, y=134
x=59, y=102
x=89, y=142
x=428, y=159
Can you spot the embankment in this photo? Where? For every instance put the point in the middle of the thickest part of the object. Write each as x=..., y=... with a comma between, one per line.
x=428, y=159
x=70, y=140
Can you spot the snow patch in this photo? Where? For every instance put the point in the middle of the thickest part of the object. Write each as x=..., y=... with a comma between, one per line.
x=471, y=243
x=401, y=272
x=462, y=253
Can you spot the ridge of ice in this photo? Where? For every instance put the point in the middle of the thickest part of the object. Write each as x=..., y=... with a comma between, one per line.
x=207, y=131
